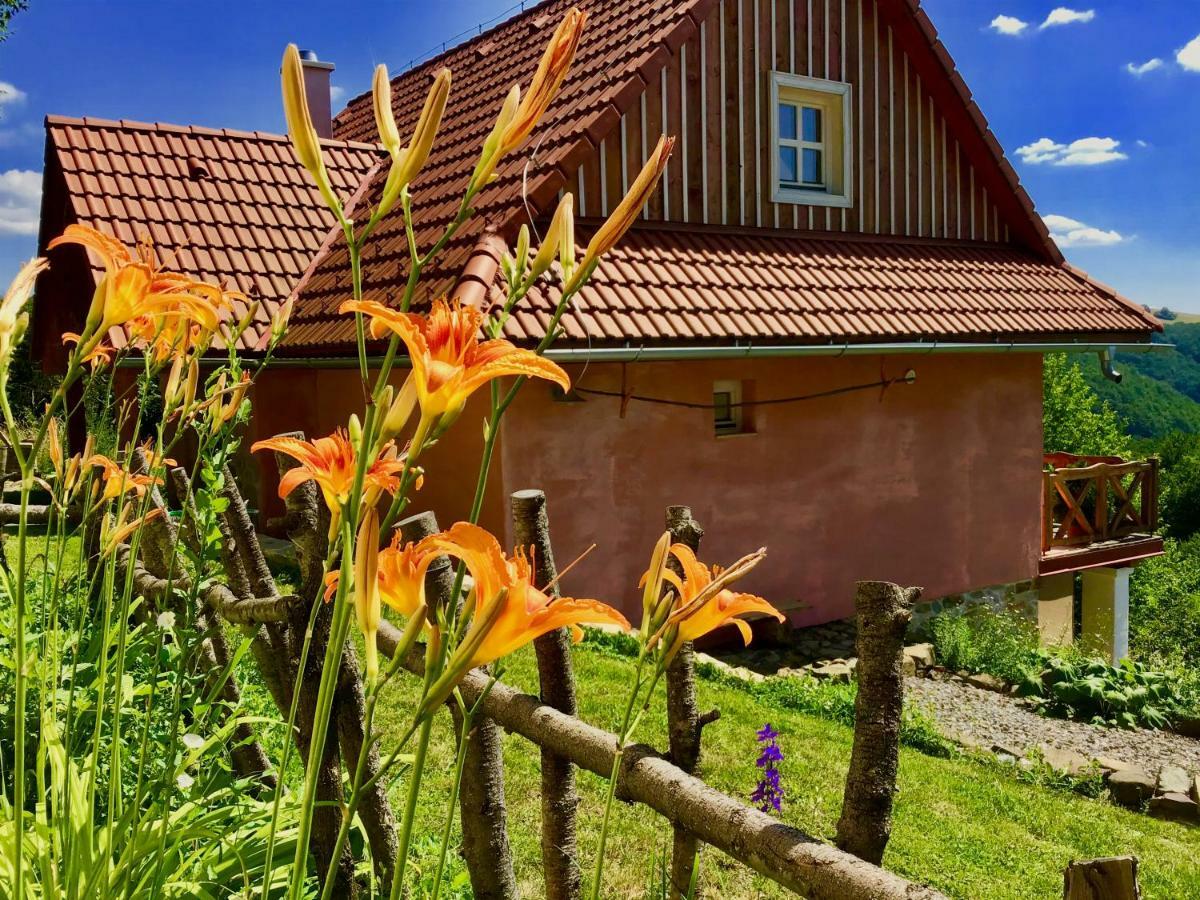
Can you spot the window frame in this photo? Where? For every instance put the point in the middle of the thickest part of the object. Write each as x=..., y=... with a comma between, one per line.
x=833, y=99
x=733, y=388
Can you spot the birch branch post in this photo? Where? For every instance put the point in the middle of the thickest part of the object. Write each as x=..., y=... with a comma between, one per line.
x=556, y=682
x=883, y=612
x=684, y=722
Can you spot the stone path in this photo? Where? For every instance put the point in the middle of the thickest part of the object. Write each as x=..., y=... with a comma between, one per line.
x=983, y=718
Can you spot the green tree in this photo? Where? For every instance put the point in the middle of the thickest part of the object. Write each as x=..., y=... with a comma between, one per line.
x=1074, y=419
x=8, y=9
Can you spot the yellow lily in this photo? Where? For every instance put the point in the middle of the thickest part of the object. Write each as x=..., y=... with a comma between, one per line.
x=560, y=241
x=135, y=288
x=509, y=612
x=449, y=363
x=705, y=603
x=330, y=462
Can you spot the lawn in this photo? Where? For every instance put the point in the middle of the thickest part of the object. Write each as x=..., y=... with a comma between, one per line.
x=961, y=825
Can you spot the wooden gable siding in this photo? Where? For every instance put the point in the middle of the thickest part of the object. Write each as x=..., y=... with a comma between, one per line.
x=911, y=175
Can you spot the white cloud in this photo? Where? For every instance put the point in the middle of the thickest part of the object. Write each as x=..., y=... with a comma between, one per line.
x=1063, y=16
x=20, y=134
x=1141, y=69
x=20, y=201
x=1073, y=233
x=336, y=92
x=1090, y=151
x=10, y=94
x=1008, y=25
x=1189, y=56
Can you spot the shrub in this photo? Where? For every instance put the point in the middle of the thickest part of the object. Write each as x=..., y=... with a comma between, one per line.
x=1093, y=691
x=1164, y=607
x=977, y=639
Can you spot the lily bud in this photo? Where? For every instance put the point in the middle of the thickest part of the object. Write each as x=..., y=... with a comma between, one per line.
x=385, y=119
x=628, y=209
x=355, y=429
x=300, y=127
x=489, y=158
x=562, y=225
x=193, y=385
x=401, y=409
x=171, y=391
x=653, y=583
x=13, y=320
x=366, y=589
x=548, y=78
x=54, y=449
x=407, y=162
x=230, y=409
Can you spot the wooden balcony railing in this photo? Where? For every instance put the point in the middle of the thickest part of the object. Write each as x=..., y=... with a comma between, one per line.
x=1090, y=499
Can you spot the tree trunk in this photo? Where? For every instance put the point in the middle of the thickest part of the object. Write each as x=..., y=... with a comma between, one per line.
x=683, y=718
x=883, y=613
x=556, y=679
x=481, y=796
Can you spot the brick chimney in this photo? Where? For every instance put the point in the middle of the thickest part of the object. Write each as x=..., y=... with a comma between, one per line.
x=316, y=87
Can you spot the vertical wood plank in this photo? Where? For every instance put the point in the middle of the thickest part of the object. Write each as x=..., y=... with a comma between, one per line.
x=887, y=207
x=713, y=101
x=675, y=125
x=654, y=128
x=868, y=131
x=731, y=138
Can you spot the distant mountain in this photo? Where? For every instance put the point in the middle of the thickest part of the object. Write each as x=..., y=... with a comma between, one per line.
x=1160, y=391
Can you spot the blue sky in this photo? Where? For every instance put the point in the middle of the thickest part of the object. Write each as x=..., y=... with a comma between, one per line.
x=1104, y=138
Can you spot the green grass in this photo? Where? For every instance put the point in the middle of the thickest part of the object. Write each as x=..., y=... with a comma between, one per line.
x=962, y=825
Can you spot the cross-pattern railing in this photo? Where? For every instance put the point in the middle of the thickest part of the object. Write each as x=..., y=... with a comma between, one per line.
x=1090, y=499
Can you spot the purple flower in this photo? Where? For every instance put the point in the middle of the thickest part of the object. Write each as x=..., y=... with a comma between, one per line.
x=768, y=794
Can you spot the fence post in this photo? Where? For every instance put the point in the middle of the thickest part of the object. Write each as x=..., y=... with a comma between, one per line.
x=883, y=612
x=1110, y=878
x=684, y=721
x=481, y=795
x=560, y=800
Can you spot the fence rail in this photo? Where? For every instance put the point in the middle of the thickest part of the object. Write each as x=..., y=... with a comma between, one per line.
x=1090, y=499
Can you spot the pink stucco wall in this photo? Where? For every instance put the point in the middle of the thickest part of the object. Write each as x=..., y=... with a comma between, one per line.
x=936, y=483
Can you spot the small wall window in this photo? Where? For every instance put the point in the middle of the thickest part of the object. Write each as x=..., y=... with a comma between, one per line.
x=811, y=157
x=729, y=408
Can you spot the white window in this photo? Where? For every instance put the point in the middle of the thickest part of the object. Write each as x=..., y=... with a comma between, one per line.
x=727, y=408
x=811, y=158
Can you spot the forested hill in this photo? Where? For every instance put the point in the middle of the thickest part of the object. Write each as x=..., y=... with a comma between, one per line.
x=1160, y=392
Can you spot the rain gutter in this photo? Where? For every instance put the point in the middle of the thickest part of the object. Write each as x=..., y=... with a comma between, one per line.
x=630, y=353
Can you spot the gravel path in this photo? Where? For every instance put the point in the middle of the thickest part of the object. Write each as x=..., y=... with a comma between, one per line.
x=986, y=718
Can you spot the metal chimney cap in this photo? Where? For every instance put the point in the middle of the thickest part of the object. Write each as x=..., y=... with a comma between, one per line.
x=308, y=56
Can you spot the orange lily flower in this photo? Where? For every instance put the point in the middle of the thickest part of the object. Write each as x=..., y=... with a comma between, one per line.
x=400, y=574
x=118, y=481
x=99, y=355
x=123, y=526
x=134, y=286
x=449, y=362
x=330, y=462
x=704, y=604
x=509, y=611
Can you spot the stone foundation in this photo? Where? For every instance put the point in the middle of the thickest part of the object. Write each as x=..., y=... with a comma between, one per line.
x=1020, y=597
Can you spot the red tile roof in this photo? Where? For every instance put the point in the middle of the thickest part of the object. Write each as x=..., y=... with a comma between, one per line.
x=625, y=43
x=219, y=205
x=710, y=286
x=254, y=216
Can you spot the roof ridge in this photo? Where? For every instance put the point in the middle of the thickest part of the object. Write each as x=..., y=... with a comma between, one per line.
x=95, y=122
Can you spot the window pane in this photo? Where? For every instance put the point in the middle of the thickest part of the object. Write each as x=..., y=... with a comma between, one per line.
x=722, y=406
x=812, y=125
x=787, y=121
x=787, y=165
x=812, y=167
